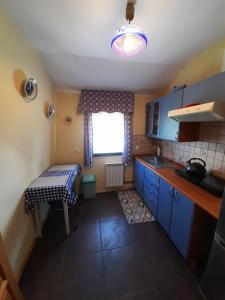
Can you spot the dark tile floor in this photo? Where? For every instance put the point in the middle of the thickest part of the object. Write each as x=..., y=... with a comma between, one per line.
x=105, y=258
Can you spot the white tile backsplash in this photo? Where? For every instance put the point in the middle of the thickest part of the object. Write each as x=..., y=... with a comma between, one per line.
x=197, y=151
x=219, y=156
x=220, y=148
x=211, y=154
x=205, y=145
x=210, y=147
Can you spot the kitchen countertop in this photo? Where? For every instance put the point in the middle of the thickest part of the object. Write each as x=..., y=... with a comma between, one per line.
x=202, y=198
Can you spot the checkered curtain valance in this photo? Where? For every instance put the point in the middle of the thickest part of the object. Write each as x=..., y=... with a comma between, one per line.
x=108, y=101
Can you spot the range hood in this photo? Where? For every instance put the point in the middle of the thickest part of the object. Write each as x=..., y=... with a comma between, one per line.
x=211, y=111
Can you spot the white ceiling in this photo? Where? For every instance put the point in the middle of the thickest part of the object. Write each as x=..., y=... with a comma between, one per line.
x=74, y=39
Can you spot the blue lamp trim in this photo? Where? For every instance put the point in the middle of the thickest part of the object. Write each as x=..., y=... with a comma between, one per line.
x=124, y=33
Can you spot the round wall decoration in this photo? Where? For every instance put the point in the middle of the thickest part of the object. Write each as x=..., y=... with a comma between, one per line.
x=67, y=120
x=30, y=88
x=50, y=111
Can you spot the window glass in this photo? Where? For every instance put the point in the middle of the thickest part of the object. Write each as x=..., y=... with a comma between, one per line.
x=108, y=132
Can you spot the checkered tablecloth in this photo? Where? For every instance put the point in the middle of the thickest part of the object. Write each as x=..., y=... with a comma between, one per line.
x=54, y=184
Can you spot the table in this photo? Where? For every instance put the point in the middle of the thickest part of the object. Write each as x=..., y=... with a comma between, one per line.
x=53, y=185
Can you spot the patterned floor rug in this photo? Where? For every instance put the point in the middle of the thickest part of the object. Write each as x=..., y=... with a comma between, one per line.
x=134, y=208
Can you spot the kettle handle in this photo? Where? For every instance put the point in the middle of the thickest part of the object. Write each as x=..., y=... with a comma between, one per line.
x=195, y=158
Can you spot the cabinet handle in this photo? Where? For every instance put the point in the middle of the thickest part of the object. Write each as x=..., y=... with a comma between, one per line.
x=171, y=192
x=176, y=196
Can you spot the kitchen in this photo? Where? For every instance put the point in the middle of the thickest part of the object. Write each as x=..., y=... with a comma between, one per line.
x=156, y=229
x=182, y=212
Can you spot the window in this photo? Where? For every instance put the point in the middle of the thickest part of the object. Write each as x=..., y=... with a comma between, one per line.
x=108, y=133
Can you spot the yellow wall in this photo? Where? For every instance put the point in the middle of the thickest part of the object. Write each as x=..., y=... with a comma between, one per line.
x=25, y=137
x=69, y=141
x=202, y=66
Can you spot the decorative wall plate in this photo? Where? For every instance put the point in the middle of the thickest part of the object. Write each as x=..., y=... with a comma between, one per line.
x=50, y=111
x=30, y=88
x=67, y=120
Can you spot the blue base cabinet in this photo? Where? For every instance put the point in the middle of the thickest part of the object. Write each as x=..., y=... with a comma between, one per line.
x=173, y=210
x=175, y=214
x=165, y=205
x=181, y=222
x=139, y=173
x=190, y=228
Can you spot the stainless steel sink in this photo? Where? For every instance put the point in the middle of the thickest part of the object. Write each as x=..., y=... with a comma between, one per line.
x=157, y=162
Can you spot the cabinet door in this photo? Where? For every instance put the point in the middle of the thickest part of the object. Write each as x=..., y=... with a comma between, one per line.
x=152, y=178
x=151, y=201
x=150, y=196
x=211, y=89
x=169, y=128
x=154, y=119
x=181, y=222
x=165, y=204
x=139, y=178
x=151, y=190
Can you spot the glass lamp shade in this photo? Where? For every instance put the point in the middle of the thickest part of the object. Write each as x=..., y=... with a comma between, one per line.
x=129, y=40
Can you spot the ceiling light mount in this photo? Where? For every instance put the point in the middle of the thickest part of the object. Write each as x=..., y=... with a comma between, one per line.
x=130, y=11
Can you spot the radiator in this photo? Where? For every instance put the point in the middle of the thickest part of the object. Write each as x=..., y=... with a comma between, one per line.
x=114, y=174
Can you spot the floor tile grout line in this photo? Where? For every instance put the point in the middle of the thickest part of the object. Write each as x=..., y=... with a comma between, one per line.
x=104, y=272
x=100, y=233
x=63, y=258
x=103, y=263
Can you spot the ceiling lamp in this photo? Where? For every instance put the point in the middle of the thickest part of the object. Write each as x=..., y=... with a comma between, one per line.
x=130, y=39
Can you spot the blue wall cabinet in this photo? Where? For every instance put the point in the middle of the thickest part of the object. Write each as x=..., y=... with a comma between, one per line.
x=181, y=222
x=169, y=129
x=211, y=89
x=139, y=172
x=159, y=126
x=166, y=194
x=151, y=190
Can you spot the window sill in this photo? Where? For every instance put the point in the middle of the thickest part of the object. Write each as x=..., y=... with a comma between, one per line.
x=107, y=154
